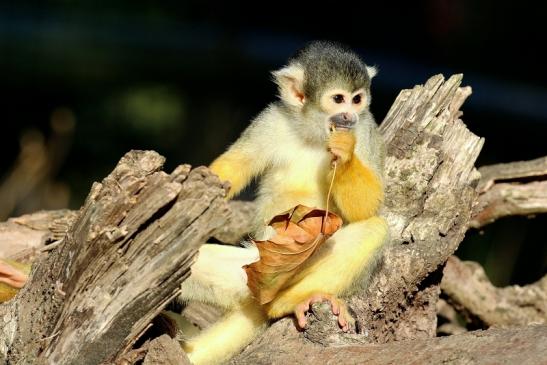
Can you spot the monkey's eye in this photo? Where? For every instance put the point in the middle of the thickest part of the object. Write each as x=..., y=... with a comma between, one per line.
x=338, y=98
x=357, y=99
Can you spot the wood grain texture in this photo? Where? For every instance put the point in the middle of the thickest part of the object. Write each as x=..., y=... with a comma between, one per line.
x=470, y=291
x=165, y=351
x=520, y=345
x=507, y=189
x=120, y=263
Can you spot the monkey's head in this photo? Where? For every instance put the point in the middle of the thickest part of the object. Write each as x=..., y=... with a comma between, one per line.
x=325, y=85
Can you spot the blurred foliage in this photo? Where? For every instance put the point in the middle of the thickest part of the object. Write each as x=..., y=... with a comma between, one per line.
x=152, y=111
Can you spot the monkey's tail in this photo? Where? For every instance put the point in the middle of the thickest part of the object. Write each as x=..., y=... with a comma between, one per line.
x=228, y=336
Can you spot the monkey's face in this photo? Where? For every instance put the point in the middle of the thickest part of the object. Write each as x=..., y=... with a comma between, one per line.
x=343, y=107
x=324, y=87
x=335, y=108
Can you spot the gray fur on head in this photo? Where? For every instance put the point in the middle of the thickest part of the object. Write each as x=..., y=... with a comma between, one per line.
x=328, y=65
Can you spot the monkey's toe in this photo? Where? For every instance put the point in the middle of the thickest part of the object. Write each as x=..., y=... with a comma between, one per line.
x=339, y=309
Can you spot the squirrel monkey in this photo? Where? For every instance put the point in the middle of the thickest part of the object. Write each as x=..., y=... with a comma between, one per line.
x=322, y=117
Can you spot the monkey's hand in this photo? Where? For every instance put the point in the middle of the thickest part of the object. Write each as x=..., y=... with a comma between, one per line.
x=341, y=144
x=13, y=276
x=339, y=309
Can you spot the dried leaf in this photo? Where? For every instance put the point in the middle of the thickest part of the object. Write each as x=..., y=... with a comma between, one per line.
x=299, y=233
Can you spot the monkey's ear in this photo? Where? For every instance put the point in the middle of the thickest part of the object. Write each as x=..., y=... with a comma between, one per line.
x=290, y=81
x=372, y=71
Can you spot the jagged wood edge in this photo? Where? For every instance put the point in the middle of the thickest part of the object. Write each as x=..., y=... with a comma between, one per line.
x=119, y=264
x=470, y=291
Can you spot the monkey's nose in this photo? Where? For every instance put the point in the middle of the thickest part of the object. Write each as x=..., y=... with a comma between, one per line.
x=343, y=120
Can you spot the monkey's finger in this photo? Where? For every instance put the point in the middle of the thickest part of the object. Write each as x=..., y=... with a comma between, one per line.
x=18, y=284
x=333, y=161
x=336, y=154
x=345, y=320
x=12, y=276
x=340, y=154
x=301, y=320
x=343, y=323
x=300, y=314
x=335, y=306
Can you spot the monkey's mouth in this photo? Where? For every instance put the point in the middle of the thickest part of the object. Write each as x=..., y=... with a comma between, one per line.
x=345, y=121
x=343, y=128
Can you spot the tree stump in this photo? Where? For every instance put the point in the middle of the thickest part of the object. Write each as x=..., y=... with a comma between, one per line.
x=121, y=261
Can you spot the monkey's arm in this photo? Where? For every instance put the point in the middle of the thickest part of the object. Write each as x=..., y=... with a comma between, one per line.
x=357, y=189
x=235, y=166
x=248, y=156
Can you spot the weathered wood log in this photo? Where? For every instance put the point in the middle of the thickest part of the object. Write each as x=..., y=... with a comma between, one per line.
x=512, y=171
x=470, y=291
x=165, y=351
x=239, y=222
x=162, y=350
x=449, y=319
x=120, y=263
x=505, y=189
x=23, y=236
x=430, y=179
x=521, y=345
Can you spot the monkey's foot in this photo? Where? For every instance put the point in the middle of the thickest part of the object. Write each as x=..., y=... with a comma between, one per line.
x=338, y=306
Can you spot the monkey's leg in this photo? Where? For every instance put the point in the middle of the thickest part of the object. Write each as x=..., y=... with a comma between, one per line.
x=342, y=264
x=218, y=277
x=228, y=336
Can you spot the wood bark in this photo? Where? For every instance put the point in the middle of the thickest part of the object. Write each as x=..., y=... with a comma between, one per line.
x=470, y=291
x=122, y=260
x=166, y=351
x=23, y=236
x=517, y=188
x=430, y=180
x=520, y=345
